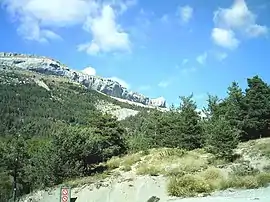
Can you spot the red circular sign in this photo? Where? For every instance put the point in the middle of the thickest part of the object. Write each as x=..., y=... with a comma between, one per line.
x=64, y=199
x=64, y=191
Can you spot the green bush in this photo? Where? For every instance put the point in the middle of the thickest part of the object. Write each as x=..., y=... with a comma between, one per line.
x=188, y=186
x=221, y=138
x=139, y=142
x=5, y=187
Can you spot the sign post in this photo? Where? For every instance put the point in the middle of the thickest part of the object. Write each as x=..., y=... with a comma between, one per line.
x=65, y=194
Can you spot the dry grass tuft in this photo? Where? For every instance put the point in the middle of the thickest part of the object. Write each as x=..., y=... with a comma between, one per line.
x=145, y=169
x=188, y=186
x=113, y=163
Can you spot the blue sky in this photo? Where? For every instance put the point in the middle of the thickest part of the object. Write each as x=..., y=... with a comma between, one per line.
x=158, y=48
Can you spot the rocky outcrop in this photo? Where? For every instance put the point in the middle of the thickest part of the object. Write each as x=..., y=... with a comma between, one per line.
x=157, y=101
x=46, y=65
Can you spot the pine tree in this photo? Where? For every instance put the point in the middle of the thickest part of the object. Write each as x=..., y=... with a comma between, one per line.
x=211, y=111
x=233, y=104
x=257, y=109
x=190, y=131
x=221, y=138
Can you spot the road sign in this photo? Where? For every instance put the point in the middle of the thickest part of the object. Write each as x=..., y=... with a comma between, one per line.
x=64, y=191
x=64, y=198
x=65, y=194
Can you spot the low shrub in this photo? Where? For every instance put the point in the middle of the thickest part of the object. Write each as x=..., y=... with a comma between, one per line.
x=145, y=169
x=244, y=169
x=131, y=159
x=188, y=186
x=113, y=163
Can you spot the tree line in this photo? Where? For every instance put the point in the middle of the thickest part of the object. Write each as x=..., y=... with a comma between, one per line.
x=241, y=116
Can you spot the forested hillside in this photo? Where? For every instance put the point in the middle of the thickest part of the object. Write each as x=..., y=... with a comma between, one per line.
x=51, y=135
x=37, y=121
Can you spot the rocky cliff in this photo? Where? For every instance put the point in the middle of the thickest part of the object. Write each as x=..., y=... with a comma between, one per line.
x=50, y=66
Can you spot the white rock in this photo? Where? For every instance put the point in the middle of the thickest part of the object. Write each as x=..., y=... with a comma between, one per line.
x=159, y=102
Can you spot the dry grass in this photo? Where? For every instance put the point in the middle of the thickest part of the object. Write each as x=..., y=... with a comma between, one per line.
x=146, y=169
x=211, y=180
x=194, y=184
x=165, y=161
x=87, y=180
x=190, y=173
x=164, y=153
x=131, y=159
x=204, y=178
x=125, y=163
x=263, y=148
x=126, y=168
x=257, y=147
x=188, y=163
x=247, y=182
x=188, y=186
x=113, y=163
x=214, y=177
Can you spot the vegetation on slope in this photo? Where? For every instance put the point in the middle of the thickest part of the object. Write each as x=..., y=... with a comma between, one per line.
x=50, y=136
x=193, y=173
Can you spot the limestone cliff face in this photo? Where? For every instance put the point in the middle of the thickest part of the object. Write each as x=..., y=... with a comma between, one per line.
x=46, y=65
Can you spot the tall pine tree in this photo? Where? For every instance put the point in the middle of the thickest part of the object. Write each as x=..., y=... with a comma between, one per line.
x=257, y=109
x=190, y=128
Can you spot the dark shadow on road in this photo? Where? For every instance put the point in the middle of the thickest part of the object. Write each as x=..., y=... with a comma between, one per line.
x=73, y=199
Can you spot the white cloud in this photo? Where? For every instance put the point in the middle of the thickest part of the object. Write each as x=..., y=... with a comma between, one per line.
x=89, y=71
x=40, y=20
x=237, y=19
x=120, y=81
x=164, y=84
x=256, y=30
x=30, y=30
x=225, y=38
x=107, y=35
x=51, y=35
x=202, y=58
x=185, y=13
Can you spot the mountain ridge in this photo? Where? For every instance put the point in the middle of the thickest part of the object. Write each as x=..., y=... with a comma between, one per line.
x=46, y=65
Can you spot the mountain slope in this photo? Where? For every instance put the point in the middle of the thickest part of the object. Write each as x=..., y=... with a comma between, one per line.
x=51, y=67
x=39, y=112
x=26, y=96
